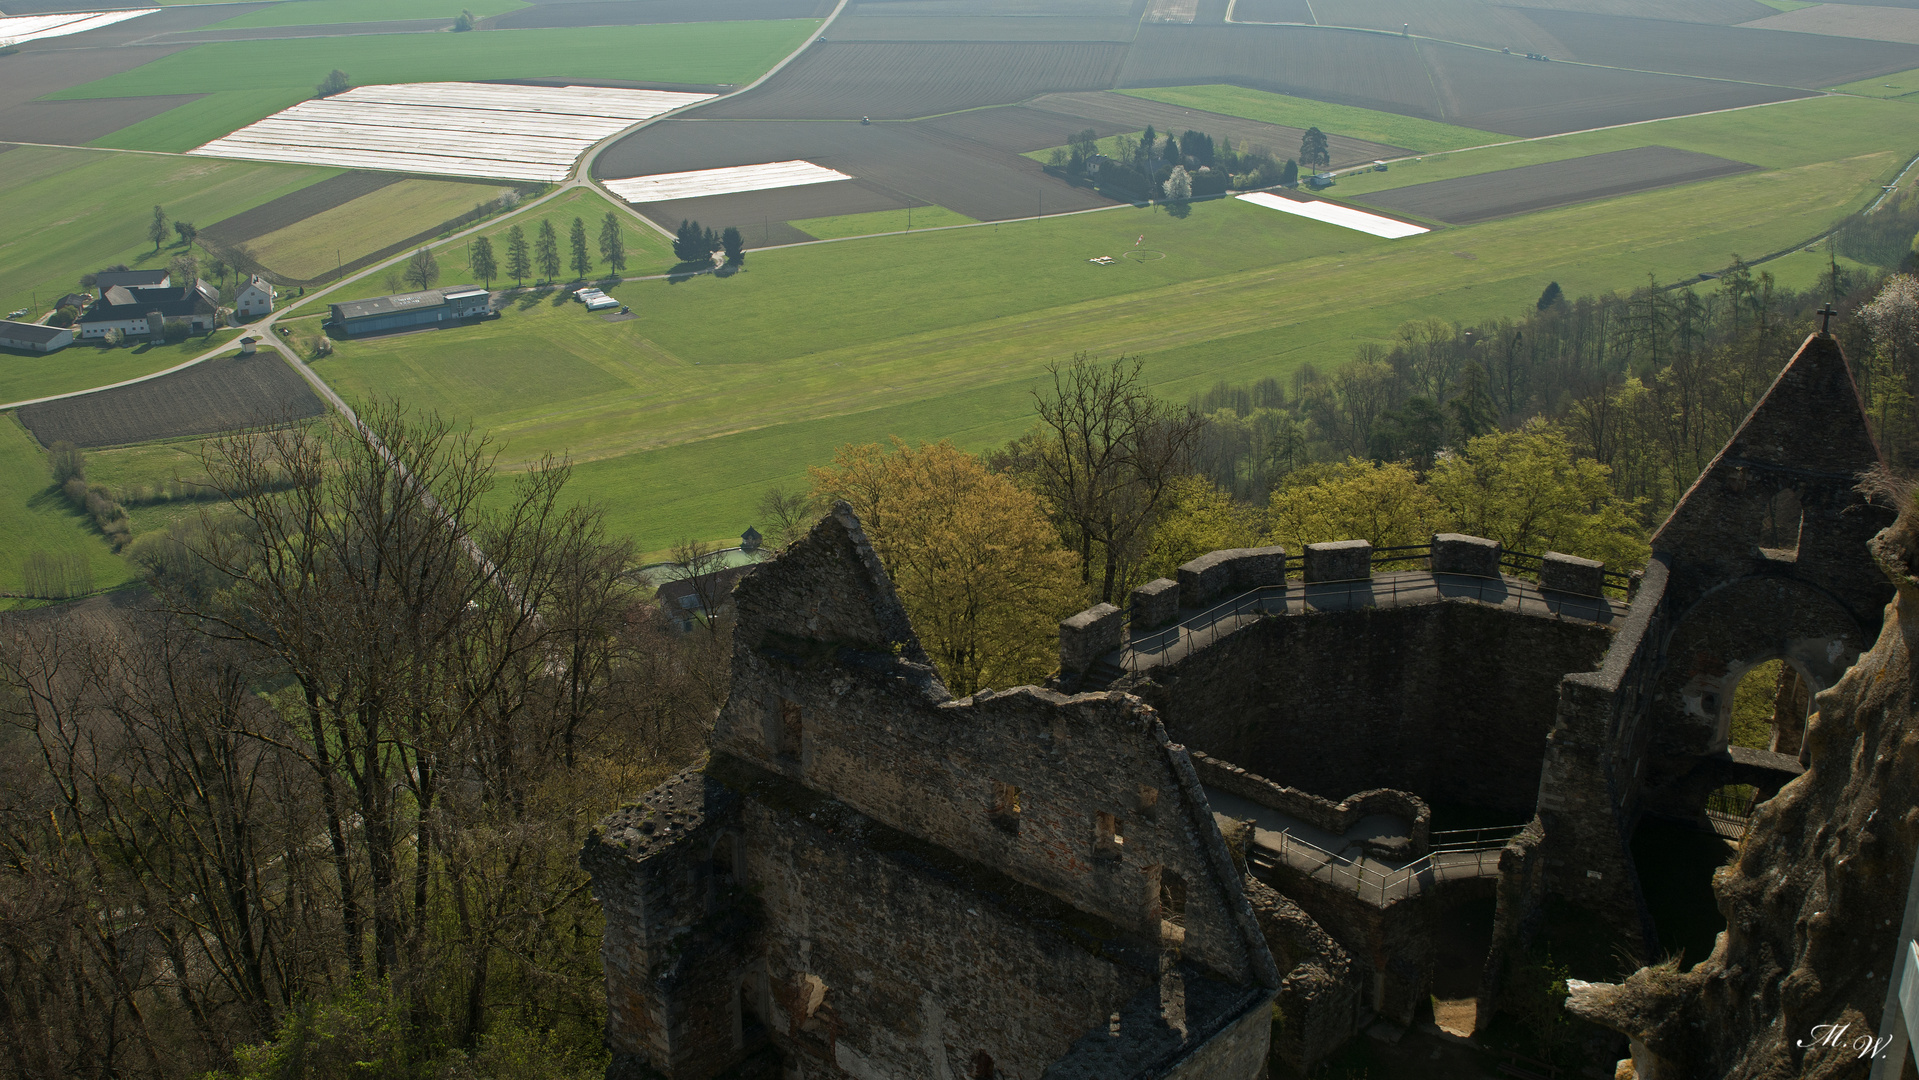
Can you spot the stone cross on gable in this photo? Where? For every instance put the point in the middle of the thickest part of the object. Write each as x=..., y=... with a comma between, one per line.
x=1825, y=320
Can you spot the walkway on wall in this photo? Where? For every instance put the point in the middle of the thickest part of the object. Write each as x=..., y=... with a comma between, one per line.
x=1406, y=589
x=1341, y=859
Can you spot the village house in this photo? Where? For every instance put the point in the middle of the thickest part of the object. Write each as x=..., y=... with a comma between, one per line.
x=254, y=300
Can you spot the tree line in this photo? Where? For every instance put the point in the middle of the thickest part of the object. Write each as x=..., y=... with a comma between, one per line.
x=313, y=808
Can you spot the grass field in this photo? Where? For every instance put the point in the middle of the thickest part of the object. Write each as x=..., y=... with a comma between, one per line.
x=73, y=211
x=249, y=80
x=880, y=221
x=1390, y=128
x=39, y=518
x=1898, y=84
x=368, y=223
x=80, y=367
x=682, y=417
x=647, y=252
x=320, y=12
x=1789, y=5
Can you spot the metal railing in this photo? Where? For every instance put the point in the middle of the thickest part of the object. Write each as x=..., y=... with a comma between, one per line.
x=1179, y=640
x=1380, y=888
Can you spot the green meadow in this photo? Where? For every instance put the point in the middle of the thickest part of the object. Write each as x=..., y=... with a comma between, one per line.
x=39, y=518
x=81, y=367
x=880, y=221
x=248, y=80
x=680, y=418
x=1896, y=85
x=1390, y=128
x=324, y=12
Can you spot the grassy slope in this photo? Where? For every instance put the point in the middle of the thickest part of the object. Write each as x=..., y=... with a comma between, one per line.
x=722, y=387
x=1390, y=128
x=39, y=518
x=248, y=80
x=79, y=367
x=372, y=221
x=647, y=252
x=880, y=221
x=72, y=211
x=319, y=12
x=1898, y=84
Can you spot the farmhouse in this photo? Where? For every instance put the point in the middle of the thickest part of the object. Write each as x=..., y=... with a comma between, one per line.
x=143, y=309
x=255, y=300
x=404, y=310
x=34, y=337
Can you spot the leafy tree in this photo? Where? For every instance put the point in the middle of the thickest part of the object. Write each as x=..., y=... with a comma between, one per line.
x=978, y=567
x=613, y=242
x=334, y=83
x=518, y=266
x=422, y=270
x=185, y=231
x=1380, y=502
x=1550, y=297
x=1313, y=149
x=1531, y=492
x=157, y=228
x=1179, y=185
x=482, y=263
x=734, y=245
x=581, y=262
x=1085, y=143
x=66, y=316
x=464, y=22
x=546, y=251
x=1199, y=518
x=1197, y=145
x=1075, y=164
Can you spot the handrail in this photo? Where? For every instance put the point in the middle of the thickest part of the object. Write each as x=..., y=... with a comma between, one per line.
x=1400, y=881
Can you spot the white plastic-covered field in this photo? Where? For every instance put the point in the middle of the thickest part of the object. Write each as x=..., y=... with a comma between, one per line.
x=497, y=131
x=660, y=187
x=1335, y=214
x=15, y=29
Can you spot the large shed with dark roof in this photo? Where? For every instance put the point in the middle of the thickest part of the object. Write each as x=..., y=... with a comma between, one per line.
x=34, y=337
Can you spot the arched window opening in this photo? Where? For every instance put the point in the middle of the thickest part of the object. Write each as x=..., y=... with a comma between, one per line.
x=1769, y=709
x=983, y=1066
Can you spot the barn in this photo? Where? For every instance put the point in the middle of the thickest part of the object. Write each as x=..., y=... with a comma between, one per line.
x=409, y=310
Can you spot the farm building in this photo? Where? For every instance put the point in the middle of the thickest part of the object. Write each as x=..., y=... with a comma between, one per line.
x=34, y=337
x=412, y=309
x=132, y=279
x=142, y=310
x=255, y=300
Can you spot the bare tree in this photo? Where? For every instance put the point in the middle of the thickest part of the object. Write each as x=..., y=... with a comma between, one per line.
x=1110, y=451
x=699, y=563
x=789, y=513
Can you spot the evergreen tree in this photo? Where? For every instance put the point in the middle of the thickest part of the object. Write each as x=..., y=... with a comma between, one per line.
x=1550, y=296
x=689, y=243
x=481, y=262
x=734, y=245
x=518, y=266
x=613, y=242
x=1313, y=149
x=546, y=252
x=1291, y=175
x=582, y=262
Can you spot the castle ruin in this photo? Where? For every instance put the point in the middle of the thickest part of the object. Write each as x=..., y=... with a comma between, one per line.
x=1225, y=800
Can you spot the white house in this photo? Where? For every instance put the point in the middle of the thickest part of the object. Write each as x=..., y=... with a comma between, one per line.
x=255, y=300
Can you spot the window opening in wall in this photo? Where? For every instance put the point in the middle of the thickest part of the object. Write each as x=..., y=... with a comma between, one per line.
x=791, y=729
x=1006, y=806
x=1108, y=840
x=1148, y=801
x=1172, y=908
x=1769, y=709
x=1779, y=530
x=721, y=872
x=983, y=1066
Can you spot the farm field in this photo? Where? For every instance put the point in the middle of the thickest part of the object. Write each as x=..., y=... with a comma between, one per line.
x=1483, y=197
x=39, y=518
x=1898, y=84
x=1723, y=52
x=883, y=221
x=367, y=224
x=82, y=367
x=246, y=81
x=602, y=13
x=316, y=12
x=221, y=394
x=815, y=346
x=1281, y=139
x=75, y=211
x=1420, y=136
x=1842, y=20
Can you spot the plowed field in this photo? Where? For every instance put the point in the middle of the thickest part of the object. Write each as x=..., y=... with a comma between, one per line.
x=901, y=82
x=1724, y=52
x=292, y=209
x=222, y=394
x=1467, y=199
x=1126, y=113
x=641, y=12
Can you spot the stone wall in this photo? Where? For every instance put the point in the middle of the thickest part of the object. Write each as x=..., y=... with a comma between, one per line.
x=1450, y=701
x=1334, y=817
